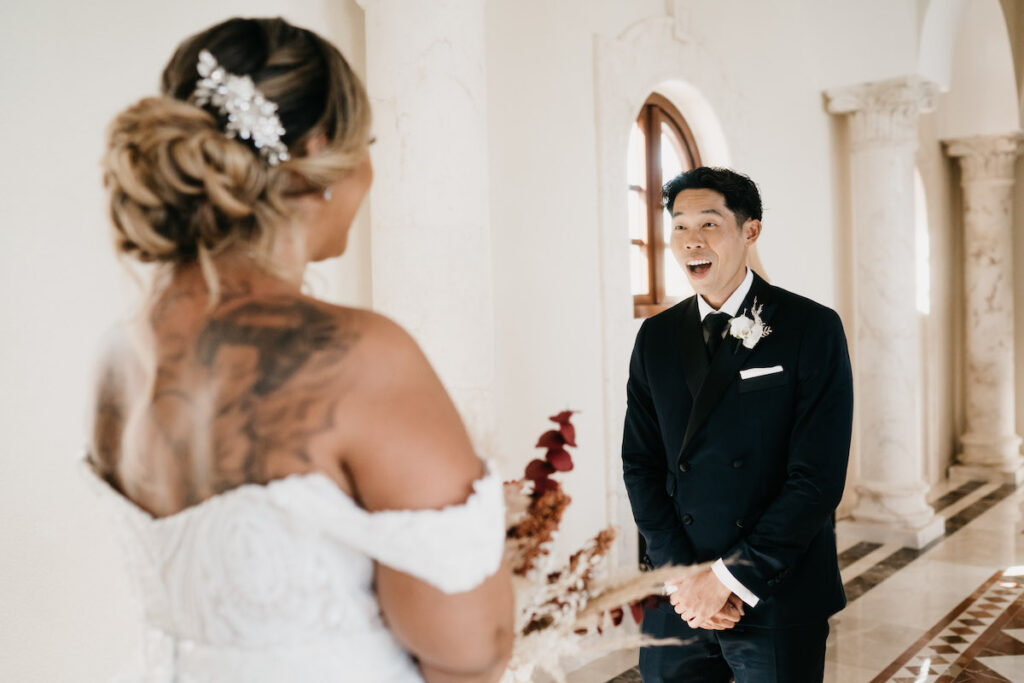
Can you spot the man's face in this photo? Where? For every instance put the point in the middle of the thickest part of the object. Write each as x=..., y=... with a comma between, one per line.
x=708, y=245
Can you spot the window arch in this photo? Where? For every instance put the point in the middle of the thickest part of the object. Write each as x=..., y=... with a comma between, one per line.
x=660, y=147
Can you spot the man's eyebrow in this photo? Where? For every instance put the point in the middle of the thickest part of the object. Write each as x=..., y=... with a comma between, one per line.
x=714, y=211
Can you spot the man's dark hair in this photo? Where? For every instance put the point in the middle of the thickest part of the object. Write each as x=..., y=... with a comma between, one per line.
x=740, y=192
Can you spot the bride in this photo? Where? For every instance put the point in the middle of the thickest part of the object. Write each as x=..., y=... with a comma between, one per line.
x=297, y=496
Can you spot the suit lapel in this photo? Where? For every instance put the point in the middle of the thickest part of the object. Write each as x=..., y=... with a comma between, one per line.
x=726, y=364
x=695, y=355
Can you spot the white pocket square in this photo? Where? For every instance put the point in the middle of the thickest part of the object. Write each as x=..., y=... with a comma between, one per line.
x=751, y=373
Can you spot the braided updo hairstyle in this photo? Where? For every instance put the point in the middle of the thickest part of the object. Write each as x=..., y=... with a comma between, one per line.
x=181, y=191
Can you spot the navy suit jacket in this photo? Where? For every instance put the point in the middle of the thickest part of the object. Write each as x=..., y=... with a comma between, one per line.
x=747, y=470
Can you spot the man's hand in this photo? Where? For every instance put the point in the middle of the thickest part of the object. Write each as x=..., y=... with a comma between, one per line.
x=727, y=617
x=699, y=597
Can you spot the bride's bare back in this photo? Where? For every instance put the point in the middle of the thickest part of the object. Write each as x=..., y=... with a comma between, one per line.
x=207, y=400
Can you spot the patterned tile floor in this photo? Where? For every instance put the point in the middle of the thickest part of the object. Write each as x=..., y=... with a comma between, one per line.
x=952, y=612
x=978, y=640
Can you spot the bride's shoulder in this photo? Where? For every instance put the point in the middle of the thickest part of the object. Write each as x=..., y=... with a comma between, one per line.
x=383, y=341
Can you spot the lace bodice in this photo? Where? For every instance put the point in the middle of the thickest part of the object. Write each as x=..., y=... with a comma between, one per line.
x=274, y=583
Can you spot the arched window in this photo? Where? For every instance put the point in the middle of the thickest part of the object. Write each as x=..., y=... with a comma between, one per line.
x=661, y=146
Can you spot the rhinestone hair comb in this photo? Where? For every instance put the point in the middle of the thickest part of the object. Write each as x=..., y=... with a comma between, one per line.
x=250, y=115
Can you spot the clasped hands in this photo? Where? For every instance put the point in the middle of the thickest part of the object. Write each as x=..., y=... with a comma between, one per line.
x=705, y=602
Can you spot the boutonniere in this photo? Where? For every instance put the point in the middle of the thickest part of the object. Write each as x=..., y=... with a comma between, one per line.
x=749, y=331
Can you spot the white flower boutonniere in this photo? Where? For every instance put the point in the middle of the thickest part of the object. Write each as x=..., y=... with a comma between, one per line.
x=748, y=331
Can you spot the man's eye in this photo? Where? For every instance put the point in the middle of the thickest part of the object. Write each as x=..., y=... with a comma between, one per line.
x=708, y=225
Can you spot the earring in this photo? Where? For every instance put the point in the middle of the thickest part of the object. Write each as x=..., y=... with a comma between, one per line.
x=327, y=194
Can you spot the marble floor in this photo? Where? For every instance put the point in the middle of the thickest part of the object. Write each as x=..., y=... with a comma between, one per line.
x=949, y=613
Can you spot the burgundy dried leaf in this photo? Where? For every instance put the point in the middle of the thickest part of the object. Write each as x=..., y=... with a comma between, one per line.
x=568, y=432
x=638, y=612
x=617, y=616
x=560, y=459
x=551, y=439
x=538, y=469
x=563, y=417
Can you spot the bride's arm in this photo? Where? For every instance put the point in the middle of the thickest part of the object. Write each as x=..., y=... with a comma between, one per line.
x=411, y=451
x=465, y=637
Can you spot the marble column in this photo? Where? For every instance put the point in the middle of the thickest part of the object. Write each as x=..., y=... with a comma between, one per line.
x=990, y=446
x=885, y=339
x=429, y=207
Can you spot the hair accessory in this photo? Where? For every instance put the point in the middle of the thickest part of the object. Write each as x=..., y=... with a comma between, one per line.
x=250, y=116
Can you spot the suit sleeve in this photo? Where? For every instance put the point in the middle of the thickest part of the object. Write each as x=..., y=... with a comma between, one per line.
x=819, y=448
x=645, y=470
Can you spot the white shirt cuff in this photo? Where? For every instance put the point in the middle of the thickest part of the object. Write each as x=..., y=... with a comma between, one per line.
x=726, y=577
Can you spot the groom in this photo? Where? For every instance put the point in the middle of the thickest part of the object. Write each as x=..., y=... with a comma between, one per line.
x=738, y=423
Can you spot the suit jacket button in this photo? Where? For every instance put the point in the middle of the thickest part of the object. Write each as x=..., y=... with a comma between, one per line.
x=736, y=464
x=739, y=523
x=687, y=519
x=684, y=467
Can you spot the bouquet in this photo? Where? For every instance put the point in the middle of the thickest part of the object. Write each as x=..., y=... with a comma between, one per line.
x=572, y=607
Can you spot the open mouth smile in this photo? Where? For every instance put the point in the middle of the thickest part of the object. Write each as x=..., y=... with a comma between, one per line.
x=698, y=267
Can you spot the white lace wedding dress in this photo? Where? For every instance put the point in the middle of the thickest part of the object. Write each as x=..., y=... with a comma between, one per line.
x=274, y=583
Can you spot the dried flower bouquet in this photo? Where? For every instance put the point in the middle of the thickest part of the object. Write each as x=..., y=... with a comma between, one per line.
x=570, y=608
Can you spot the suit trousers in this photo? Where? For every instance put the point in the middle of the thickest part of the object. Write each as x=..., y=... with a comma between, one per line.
x=746, y=654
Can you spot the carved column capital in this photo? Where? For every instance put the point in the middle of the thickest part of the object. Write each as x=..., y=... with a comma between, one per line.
x=987, y=157
x=883, y=113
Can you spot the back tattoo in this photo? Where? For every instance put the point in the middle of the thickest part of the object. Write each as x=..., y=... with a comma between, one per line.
x=244, y=401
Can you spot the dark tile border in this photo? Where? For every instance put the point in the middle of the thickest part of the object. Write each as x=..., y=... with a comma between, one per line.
x=856, y=552
x=950, y=497
x=628, y=676
x=972, y=511
x=883, y=569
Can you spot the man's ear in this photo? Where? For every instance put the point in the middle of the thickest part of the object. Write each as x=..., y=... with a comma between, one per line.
x=751, y=230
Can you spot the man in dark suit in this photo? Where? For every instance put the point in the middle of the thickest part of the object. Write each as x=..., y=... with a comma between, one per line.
x=737, y=435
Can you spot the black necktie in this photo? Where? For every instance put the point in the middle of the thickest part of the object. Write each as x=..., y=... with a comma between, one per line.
x=715, y=324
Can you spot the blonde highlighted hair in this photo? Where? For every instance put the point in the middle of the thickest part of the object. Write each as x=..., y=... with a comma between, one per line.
x=181, y=191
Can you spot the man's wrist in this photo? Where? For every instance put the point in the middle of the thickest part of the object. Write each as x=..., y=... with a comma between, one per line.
x=723, y=574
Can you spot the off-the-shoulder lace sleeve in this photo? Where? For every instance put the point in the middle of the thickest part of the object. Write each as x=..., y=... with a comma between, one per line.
x=454, y=548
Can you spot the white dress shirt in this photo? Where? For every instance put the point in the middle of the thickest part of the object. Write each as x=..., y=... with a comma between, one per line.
x=732, y=304
x=731, y=307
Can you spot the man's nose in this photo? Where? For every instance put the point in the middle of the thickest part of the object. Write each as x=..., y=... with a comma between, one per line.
x=693, y=240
